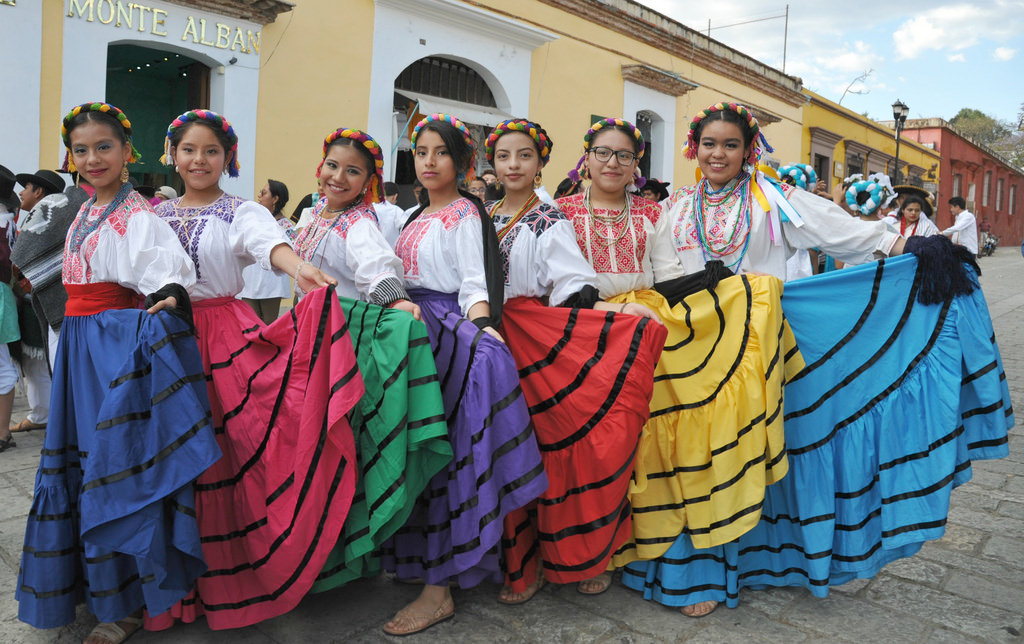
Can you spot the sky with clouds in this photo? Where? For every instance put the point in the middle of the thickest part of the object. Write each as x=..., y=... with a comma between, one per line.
x=936, y=56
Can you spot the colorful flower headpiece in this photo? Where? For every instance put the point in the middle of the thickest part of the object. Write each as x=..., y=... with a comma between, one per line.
x=529, y=128
x=800, y=175
x=580, y=171
x=69, y=164
x=450, y=120
x=755, y=150
x=374, y=192
x=213, y=119
x=875, y=194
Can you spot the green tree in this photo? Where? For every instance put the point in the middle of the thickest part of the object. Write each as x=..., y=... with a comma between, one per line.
x=979, y=126
x=1005, y=138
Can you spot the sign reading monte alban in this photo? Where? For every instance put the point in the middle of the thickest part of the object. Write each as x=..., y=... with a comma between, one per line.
x=133, y=15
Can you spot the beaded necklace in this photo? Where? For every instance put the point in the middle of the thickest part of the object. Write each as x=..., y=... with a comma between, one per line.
x=612, y=221
x=303, y=242
x=526, y=207
x=84, y=227
x=705, y=199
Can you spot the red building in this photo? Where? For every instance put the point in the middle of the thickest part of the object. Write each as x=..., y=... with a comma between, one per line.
x=993, y=188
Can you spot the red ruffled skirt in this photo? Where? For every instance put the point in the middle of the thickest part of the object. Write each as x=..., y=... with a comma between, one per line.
x=587, y=377
x=272, y=508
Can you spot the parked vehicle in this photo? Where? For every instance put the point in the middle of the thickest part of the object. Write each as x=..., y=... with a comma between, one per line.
x=988, y=245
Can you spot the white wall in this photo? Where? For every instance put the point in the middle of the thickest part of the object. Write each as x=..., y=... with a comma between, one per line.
x=20, y=49
x=405, y=31
x=637, y=98
x=233, y=93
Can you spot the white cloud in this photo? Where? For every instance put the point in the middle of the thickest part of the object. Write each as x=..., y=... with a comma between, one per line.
x=953, y=27
x=956, y=58
x=1004, y=53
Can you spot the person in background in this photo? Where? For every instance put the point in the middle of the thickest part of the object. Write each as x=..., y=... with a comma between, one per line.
x=390, y=216
x=305, y=206
x=489, y=176
x=163, y=193
x=964, y=230
x=655, y=190
x=418, y=192
x=478, y=188
x=9, y=204
x=263, y=289
x=37, y=255
x=30, y=353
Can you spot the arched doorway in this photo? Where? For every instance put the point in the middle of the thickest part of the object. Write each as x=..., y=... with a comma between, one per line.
x=439, y=84
x=154, y=86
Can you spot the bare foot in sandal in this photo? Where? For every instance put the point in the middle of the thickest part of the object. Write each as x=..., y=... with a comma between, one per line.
x=700, y=609
x=434, y=605
x=114, y=632
x=507, y=596
x=595, y=586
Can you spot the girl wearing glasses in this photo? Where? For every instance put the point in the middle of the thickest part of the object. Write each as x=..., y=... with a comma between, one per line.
x=621, y=235
x=586, y=375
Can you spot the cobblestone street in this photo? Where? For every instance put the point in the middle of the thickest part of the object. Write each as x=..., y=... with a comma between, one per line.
x=967, y=587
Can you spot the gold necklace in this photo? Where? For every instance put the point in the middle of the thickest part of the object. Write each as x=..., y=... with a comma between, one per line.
x=610, y=221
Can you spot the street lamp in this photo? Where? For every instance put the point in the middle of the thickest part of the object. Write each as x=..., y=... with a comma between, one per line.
x=899, y=115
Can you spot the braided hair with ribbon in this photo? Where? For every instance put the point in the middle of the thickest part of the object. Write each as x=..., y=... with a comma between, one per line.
x=718, y=111
x=529, y=128
x=97, y=111
x=801, y=175
x=581, y=172
x=220, y=126
x=370, y=149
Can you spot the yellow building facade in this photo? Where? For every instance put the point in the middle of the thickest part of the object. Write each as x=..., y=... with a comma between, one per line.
x=561, y=63
x=838, y=143
x=288, y=73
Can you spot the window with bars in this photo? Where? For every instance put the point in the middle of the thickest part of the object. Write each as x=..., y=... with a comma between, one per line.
x=446, y=78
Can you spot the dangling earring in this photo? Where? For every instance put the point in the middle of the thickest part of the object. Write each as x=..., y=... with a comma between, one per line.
x=124, y=173
x=537, y=181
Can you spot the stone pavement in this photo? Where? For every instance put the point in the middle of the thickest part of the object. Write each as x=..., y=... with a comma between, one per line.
x=967, y=587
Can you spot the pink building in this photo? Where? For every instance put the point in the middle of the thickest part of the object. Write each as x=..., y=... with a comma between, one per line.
x=993, y=188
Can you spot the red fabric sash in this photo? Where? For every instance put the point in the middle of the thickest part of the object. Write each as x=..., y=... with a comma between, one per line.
x=90, y=299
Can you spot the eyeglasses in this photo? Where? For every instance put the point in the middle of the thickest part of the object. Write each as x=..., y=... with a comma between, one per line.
x=604, y=154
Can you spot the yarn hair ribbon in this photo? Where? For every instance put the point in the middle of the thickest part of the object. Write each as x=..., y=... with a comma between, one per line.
x=450, y=120
x=375, y=190
x=755, y=150
x=215, y=120
x=529, y=128
x=801, y=175
x=97, y=106
x=874, y=200
x=580, y=172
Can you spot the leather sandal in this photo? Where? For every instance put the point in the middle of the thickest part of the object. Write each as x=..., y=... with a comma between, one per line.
x=525, y=596
x=24, y=425
x=604, y=579
x=410, y=622
x=700, y=609
x=7, y=443
x=116, y=632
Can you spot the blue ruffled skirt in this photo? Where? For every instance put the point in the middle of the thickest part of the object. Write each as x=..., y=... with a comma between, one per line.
x=113, y=519
x=896, y=401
